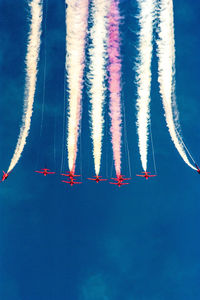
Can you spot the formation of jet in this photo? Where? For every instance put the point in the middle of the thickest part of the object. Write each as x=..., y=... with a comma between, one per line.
x=5, y=176
x=72, y=177
x=97, y=178
x=120, y=180
x=45, y=172
x=146, y=175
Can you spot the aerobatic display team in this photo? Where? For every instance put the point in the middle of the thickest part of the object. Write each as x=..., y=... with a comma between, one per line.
x=105, y=65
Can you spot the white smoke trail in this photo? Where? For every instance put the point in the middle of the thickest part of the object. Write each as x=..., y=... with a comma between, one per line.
x=143, y=78
x=76, y=23
x=166, y=72
x=32, y=57
x=115, y=83
x=97, y=75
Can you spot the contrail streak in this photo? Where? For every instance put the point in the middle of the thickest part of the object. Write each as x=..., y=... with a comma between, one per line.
x=76, y=23
x=143, y=77
x=114, y=83
x=166, y=74
x=97, y=76
x=32, y=58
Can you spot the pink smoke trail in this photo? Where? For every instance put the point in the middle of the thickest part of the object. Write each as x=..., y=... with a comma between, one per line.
x=114, y=82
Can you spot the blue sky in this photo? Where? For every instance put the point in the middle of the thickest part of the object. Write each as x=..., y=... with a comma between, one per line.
x=97, y=242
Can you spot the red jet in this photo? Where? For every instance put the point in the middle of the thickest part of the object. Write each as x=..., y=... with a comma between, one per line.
x=71, y=182
x=120, y=178
x=146, y=175
x=198, y=170
x=97, y=178
x=5, y=176
x=45, y=172
x=119, y=183
x=71, y=175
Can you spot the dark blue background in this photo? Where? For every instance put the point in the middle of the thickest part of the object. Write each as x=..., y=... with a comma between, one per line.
x=97, y=242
